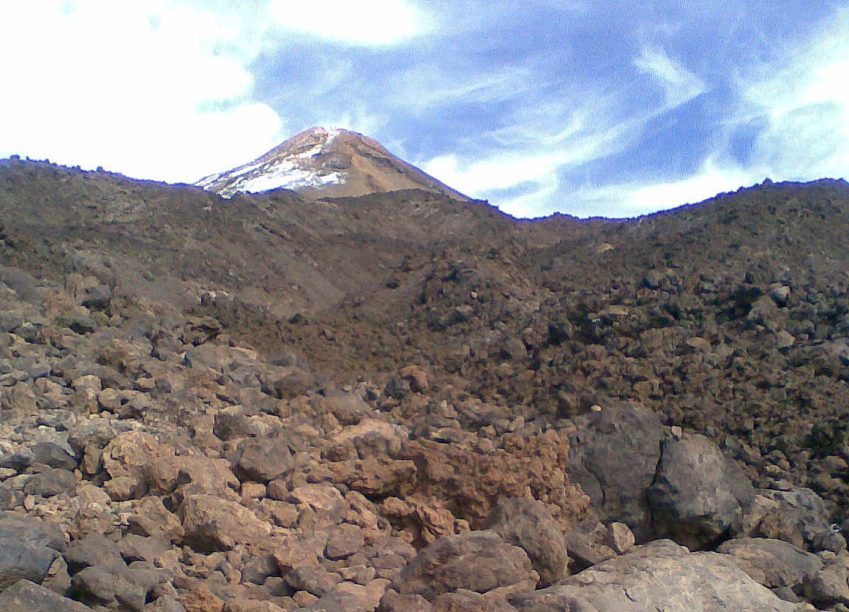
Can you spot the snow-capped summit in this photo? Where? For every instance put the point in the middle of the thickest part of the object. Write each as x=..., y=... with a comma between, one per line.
x=326, y=162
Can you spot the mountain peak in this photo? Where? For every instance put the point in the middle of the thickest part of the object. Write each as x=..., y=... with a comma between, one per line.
x=326, y=162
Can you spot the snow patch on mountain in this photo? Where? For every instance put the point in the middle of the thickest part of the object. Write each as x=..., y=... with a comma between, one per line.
x=283, y=170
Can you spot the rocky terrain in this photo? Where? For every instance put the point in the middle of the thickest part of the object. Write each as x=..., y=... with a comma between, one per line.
x=407, y=402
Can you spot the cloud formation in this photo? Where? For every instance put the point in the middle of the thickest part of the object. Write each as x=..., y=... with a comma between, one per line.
x=367, y=23
x=152, y=89
x=589, y=108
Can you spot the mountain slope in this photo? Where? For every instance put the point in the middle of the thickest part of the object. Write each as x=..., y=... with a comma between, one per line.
x=326, y=162
x=381, y=370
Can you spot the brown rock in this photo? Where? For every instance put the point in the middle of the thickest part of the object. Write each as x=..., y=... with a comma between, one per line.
x=528, y=524
x=478, y=561
x=152, y=519
x=212, y=523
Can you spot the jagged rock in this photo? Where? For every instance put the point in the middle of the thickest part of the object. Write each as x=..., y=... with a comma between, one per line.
x=25, y=596
x=32, y=531
x=19, y=399
x=53, y=455
x=115, y=590
x=212, y=523
x=772, y=563
x=468, y=481
x=313, y=579
x=393, y=601
x=698, y=493
x=800, y=517
x=661, y=575
x=620, y=538
x=51, y=482
x=10, y=499
x=94, y=550
x=827, y=586
x=153, y=519
x=350, y=596
x=343, y=541
x=528, y=524
x=613, y=456
x=468, y=601
x=587, y=544
x=265, y=459
x=478, y=561
x=22, y=561
x=324, y=503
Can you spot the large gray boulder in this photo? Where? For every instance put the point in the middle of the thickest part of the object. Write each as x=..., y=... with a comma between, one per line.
x=658, y=576
x=798, y=516
x=22, y=561
x=478, y=561
x=528, y=524
x=26, y=596
x=698, y=493
x=772, y=563
x=613, y=456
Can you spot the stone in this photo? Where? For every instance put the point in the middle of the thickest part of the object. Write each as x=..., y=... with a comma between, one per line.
x=772, y=563
x=468, y=601
x=325, y=501
x=139, y=548
x=586, y=545
x=828, y=586
x=350, y=596
x=153, y=519
x=97, y=298
x=613, y=456
x=53, y=455
x=393, y=601
x=51, y=482
x=658, y=576
x=211, y=523
x=22, y=561
x=800, y=517
x=265, y=459
x=478, y=561
x=19, y=399
x=698, y=493
x=528, y=524
x=313, y=579
x=26, y=596
x=784, y=340
x=620, y=538
x=94, y=550
x=10, y=499
x=99, y=586
x=780, y=295
x=31, y=530
x=343, y=541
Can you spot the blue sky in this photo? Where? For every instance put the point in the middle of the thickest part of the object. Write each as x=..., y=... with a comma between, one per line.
x=585, y=107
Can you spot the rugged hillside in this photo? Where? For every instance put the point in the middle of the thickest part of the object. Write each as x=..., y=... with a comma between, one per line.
x=326, y=162
x=237, y=404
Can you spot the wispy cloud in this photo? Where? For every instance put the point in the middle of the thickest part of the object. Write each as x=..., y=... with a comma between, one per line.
x=366, y=23
x=639, y=198
x=803, y=101
x=680, y=85
x=425, y=87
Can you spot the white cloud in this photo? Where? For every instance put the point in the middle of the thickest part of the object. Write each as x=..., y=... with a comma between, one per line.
x=803, y=100
x=679, y=84
x=368, y=23
x=521, y=173
x=640, y=198
x=158, y=89
x=425, y=87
